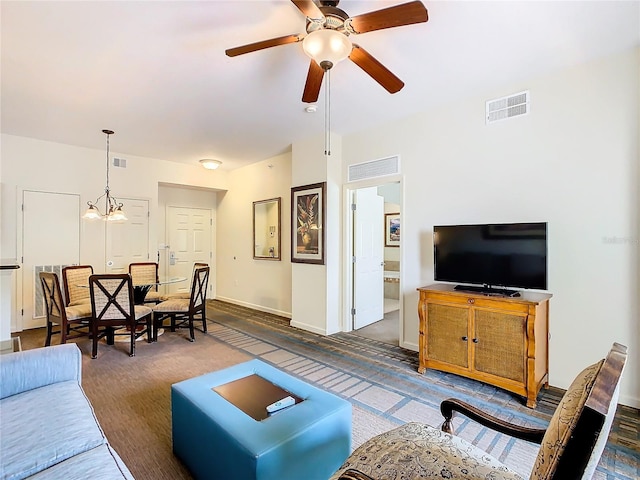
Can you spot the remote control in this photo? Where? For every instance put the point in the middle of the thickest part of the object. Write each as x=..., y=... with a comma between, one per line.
x=280, y=404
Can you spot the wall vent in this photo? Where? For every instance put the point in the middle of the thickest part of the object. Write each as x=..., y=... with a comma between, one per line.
x=120, y=162
x=507, y=107
x=374, y=168
x=39, y=307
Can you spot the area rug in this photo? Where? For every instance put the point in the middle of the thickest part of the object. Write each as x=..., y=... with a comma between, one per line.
x=382, y=383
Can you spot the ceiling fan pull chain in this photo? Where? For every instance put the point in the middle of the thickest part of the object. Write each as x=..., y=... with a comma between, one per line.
x=327, y=115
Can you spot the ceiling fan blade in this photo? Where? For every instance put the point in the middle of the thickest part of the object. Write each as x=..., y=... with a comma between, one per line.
x=405, y=14
x=313, y=84
x=308, y=8
x=375, y=69
x=273, y=42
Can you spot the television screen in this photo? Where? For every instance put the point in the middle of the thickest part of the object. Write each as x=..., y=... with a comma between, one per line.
x=505, y=254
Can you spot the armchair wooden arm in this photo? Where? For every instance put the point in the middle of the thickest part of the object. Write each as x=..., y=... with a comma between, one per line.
x=352, y=474
x=447, y=407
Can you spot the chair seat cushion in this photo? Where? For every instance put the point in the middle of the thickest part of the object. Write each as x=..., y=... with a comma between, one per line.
x=176, y=305
x=81, y=310
x=142, y=311
x=415, y=450
x=172, y=296
x=153, y=296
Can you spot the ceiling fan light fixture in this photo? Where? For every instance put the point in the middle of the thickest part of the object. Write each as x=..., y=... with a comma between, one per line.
x=210, y=164
x=327, y=47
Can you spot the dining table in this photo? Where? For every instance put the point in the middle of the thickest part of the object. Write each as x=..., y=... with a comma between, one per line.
x=140, y=290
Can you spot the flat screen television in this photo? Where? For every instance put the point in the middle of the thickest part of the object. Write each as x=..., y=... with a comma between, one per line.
x=511, y=255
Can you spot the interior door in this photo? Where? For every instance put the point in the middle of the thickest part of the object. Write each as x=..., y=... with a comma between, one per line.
x=128, y=241
x=368, y=238
x=189, y=235
x=50, y=241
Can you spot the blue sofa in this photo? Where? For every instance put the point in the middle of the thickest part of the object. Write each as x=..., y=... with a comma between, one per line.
x=48, y=429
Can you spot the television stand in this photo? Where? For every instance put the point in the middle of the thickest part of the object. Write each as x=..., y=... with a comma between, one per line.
x=487, y=290
x=502, y=341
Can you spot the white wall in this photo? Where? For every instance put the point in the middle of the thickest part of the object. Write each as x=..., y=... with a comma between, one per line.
x=261, y=284
x=573, y=162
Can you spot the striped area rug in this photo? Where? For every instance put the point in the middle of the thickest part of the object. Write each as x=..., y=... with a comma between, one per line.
x=382, y=383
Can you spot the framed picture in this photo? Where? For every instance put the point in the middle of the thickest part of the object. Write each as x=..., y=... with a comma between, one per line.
x=392, y=230
x=308, y=205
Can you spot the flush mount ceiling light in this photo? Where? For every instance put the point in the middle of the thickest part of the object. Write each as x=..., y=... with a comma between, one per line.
x=112, y=208
x=210, y=164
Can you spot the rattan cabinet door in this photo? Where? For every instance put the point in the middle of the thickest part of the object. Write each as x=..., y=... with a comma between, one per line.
x=499, y=343
x=447, y=331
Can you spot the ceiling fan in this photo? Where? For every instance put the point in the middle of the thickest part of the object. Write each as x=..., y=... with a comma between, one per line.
x=327, y=40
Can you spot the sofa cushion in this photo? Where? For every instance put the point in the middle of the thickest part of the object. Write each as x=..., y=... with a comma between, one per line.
x=44, y=426
x=22, y=371
x=100, y=463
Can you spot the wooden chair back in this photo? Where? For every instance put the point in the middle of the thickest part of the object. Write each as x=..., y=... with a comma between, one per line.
x=577, y=433
x=144, y=273
x=53, y=298
x=112, y=299
x=75, y=278
x=73, y=321
x=198, y=298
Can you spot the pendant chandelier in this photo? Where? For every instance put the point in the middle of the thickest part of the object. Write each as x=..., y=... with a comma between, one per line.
x=112, y=207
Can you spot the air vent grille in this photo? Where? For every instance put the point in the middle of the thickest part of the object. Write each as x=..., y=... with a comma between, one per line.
x=374, y=168
x=507, y=107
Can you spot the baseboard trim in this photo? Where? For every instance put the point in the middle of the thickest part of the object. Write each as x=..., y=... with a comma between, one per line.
x=252, y=306
x=308, y=328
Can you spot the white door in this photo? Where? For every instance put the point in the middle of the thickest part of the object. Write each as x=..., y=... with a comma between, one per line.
x=128, y=241
x=368, y=248
x=189, y=235
x=50, y=241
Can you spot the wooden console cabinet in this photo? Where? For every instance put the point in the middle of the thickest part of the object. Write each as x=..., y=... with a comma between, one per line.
x=499, y=340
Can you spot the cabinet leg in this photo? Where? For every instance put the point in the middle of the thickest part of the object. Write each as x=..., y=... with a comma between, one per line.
x=421, y=370
x=532, y=402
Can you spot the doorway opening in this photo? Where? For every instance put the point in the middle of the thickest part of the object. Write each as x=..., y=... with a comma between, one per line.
x=375, y=280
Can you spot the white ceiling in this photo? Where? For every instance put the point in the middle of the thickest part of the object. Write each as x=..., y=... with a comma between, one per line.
x=156, y=73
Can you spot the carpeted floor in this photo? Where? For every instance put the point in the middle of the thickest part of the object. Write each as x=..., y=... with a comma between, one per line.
x=131, y=396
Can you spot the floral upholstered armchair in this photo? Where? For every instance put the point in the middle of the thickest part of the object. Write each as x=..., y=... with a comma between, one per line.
x=570, y=447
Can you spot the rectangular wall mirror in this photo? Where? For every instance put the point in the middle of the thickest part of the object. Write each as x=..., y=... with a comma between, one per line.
x=266, y=229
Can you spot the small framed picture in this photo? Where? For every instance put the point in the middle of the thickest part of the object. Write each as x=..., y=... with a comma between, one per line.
x=307, y=223
x=392, y=230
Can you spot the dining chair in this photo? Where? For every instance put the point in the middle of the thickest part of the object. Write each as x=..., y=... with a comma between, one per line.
x=76, y=281
x=73, y=321
x=185, y=310
x=186, y=295
x=570, y=446
x=112, y=306
x=146, y=274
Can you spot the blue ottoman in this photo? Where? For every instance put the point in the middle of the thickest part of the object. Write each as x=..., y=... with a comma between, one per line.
x=215, y=439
